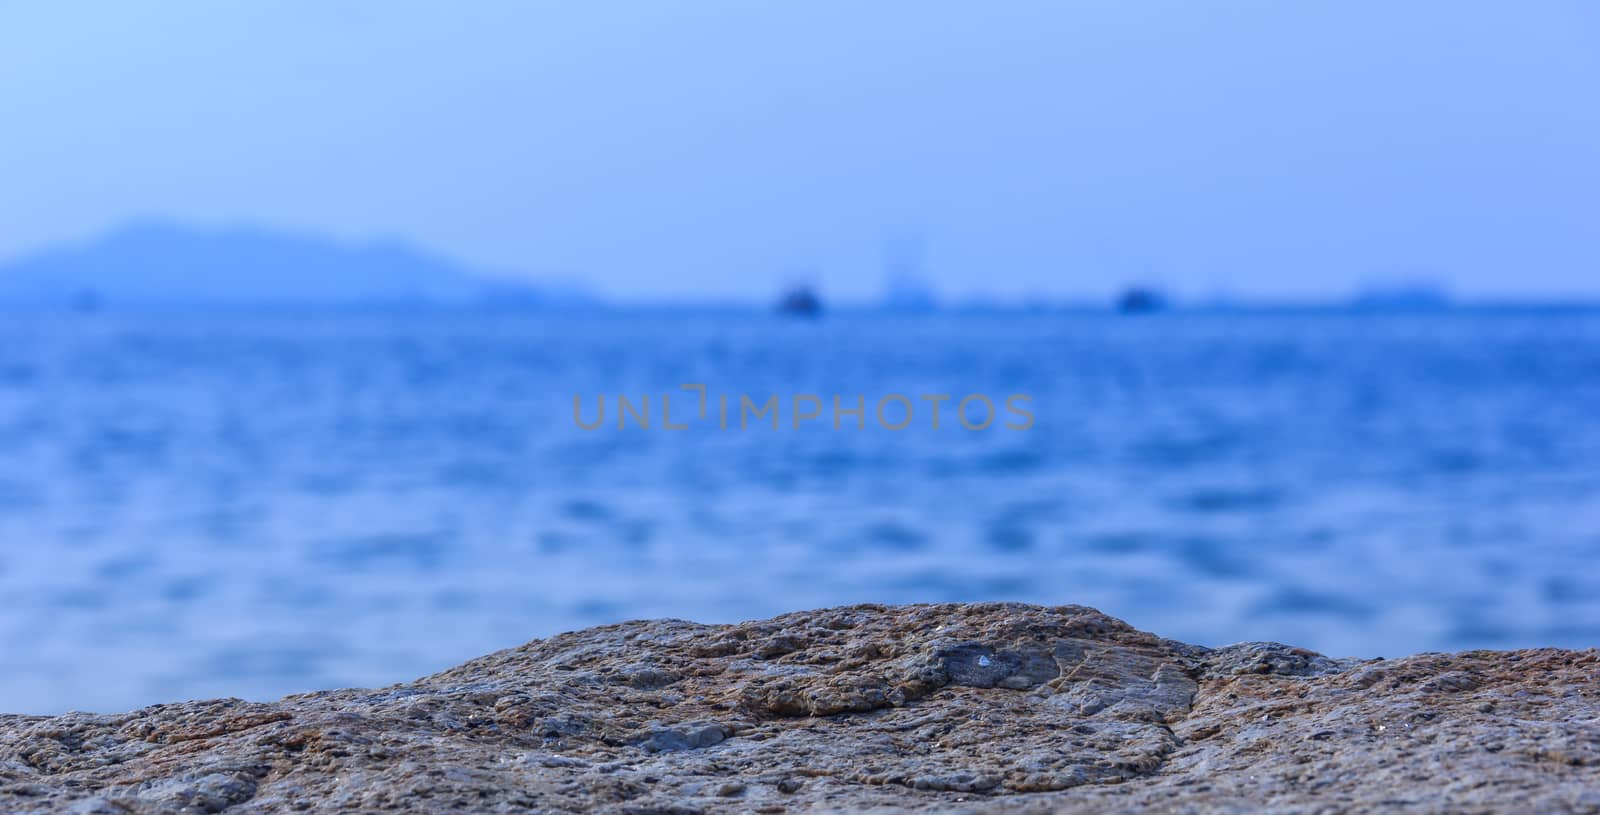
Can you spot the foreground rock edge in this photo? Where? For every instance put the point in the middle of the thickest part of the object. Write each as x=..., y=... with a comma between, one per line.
x=986, y=707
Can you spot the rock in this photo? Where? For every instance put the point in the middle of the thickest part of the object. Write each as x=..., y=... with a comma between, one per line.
x=685, y=737
x=981, y=708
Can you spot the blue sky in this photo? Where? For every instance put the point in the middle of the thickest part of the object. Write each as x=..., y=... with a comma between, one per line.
x=714, y=149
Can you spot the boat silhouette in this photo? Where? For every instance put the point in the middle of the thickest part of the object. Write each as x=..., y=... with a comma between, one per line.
x=1140, y=300
x=800, y=301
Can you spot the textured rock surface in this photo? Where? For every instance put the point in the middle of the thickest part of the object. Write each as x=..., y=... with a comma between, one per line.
x=983, y=708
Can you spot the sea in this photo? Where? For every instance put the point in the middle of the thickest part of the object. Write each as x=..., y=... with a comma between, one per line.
x=252, y=503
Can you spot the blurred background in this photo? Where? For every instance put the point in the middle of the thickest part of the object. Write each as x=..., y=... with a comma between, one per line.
x=295, y=299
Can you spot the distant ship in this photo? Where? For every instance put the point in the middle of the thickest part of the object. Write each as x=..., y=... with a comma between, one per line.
x=800, y=301
x=1140, y=300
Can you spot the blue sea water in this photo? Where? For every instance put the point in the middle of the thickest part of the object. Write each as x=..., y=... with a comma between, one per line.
x=257, y=503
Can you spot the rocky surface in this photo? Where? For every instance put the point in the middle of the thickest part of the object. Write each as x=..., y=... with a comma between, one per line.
x=981, y=708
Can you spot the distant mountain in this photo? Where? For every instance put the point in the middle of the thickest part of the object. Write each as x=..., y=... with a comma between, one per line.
x=166, y=264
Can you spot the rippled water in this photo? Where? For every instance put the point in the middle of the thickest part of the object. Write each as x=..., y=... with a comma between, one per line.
x=256, y=504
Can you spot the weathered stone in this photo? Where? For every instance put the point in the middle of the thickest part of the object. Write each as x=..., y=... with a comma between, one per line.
x=980, y=708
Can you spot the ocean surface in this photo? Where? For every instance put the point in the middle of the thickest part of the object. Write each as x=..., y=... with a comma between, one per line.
x=256, y=503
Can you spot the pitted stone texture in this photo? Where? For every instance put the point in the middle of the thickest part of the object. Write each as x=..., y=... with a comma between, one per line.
x=981, y=708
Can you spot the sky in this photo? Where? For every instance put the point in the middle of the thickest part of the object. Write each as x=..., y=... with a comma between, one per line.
x=717, y=150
